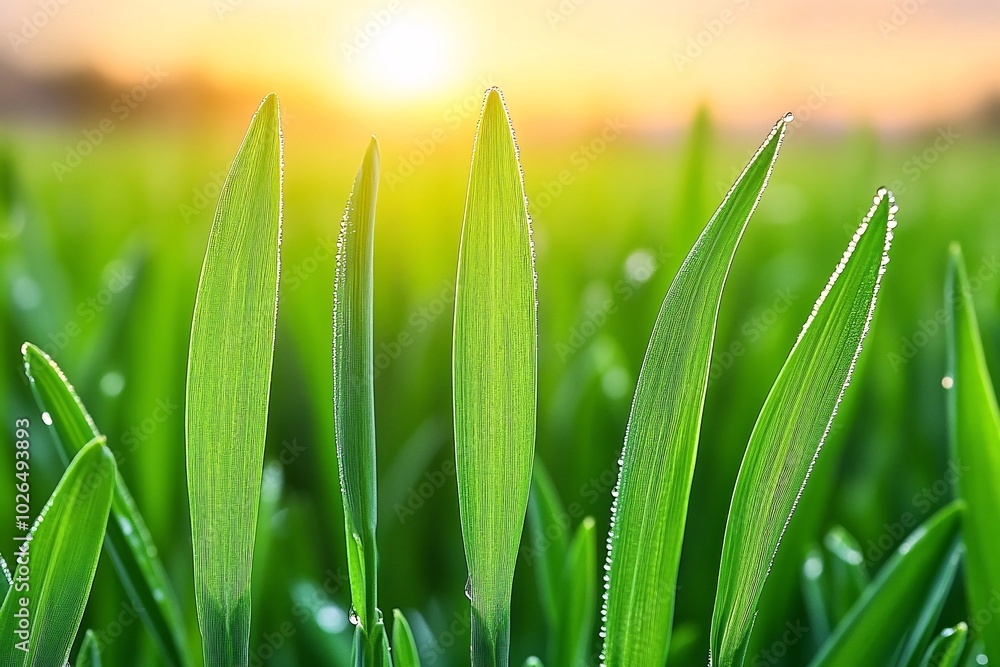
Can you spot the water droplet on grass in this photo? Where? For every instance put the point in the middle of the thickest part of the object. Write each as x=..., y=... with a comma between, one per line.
x=47, y=418
x=947, y=382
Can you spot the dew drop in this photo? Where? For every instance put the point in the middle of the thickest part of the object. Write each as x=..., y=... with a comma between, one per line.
x=468, y=588
x=789, y=117
x=981, y=659
x=352, y=616
x=882, y=191
x=947, y=382
x=47, y=418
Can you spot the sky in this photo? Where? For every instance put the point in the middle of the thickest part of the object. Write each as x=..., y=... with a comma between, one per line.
x=887, y=62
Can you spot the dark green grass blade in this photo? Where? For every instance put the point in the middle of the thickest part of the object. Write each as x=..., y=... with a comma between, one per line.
x=834, y=577
x=128, y=540
x=877, y=624
x=62, y=558
x=921, y=633
x=548, y=541
x=353, y=394
x=792, y=426
x=494, y=370
x=657, y=462
x=90, y=653
x=947, y=648
x=404, y=647
x=578, y=593
x=974, y=427
x=228, y=386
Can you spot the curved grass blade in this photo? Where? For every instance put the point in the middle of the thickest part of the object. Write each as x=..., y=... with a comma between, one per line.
x=657, y=462
x=404, y=647
x=974, y=427
x=62, y=556
x=579, y=599
x=793, y=423
x=354, y=396
x=833, y=579
x=548, y=541
x=494, y=371
x=90, y=652
x=228, y=385
x=877, y=624
x=921, y=633
x=128, y=540
x=947, y=648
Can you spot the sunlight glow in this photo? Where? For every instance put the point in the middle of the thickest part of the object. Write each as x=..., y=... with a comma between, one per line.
x=406, y=56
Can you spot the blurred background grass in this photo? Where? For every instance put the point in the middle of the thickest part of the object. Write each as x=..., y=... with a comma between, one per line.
x=101, y=258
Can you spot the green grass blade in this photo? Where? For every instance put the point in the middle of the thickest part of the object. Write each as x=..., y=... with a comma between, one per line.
x=921, y=633
x=877, y=624
x=974, y=427
x=228, y=385
x=494, y=371
x=128, y=540
x=404, y=647
x=579, y=599
x=661, y=441
x=90, y=652
x=62, y=557
x=833, y=579
x=947, y=648
x=548, y=541
x=354, y=397
x=795, y=420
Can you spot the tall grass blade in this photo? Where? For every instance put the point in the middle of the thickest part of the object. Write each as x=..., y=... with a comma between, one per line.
x=228, y=386
x=354, y=397
x=878, y=623
x=661, y=440
x=974, y=427
x=404, y=647
x=90, y=652
x=921, y=632
x=833, y=579
x=578, y=594
x=494, y=372
x=947, y=648
x=548, y=542
x=793, y=423
x=62, y=557
x=128, y=540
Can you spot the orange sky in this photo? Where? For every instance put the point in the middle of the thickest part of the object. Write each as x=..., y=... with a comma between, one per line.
x=888, y=61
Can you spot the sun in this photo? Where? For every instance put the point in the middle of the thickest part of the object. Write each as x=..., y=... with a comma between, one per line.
x=407, y=55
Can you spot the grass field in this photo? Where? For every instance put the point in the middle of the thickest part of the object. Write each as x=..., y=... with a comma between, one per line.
x=100, y=269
